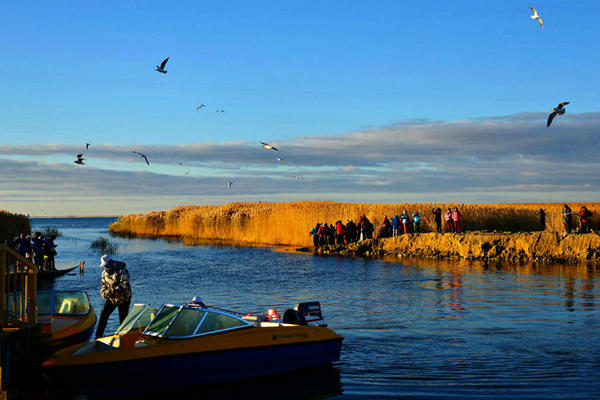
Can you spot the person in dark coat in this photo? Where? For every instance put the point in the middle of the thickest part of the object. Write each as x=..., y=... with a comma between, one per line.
x=350, y=231
x=315, y=234
x=566, y=212
x=437, y=213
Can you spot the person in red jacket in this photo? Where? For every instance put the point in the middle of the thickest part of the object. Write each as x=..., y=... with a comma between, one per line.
x=456, y=217
x=339, y=232
x=586, y=217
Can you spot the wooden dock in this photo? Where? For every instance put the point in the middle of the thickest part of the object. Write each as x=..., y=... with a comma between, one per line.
x=19, y=327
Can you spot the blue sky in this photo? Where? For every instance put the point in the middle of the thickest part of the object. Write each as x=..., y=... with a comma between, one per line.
x=286, y=72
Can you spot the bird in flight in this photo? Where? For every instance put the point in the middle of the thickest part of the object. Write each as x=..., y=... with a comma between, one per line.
x=143, y=156
x=220, y=111
x=87, y=146
x=536, y=16
x=79, y=159
x=180, y=163
x=229, y=183
x=279, y=159
x=161, y=67
x=559, y=110
x=521, y=155
x=199, y=107
x=187, y=172
x=296, y=177
x=268, y=146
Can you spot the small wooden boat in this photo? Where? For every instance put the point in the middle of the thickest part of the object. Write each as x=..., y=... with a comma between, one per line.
x=54, y=273
x=192, y=345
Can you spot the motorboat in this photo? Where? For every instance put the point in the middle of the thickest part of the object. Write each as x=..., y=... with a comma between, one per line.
x=66, y=317
x=191, y=344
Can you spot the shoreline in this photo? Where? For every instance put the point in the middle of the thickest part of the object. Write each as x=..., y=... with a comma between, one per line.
x=553, y=247
x=536, y=247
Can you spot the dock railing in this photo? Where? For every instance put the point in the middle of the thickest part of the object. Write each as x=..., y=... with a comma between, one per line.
x=18, y=289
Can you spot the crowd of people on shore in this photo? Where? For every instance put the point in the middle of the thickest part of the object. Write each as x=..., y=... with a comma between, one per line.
x=339, y=233
x=38, y=249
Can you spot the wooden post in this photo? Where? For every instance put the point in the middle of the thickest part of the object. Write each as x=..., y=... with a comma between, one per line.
x=3, y=275
x=22, y=292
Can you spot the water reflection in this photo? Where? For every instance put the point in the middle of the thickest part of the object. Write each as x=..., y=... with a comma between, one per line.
x=317, y=383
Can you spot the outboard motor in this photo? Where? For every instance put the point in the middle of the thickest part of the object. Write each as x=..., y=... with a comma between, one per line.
x=311, y=311
x=291, y=316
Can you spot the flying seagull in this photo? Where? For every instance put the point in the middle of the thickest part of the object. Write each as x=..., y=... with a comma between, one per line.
x=79, y=159
x=229, y=183
x=199, y=107
x=87, y=146
x=279, y=159
x=268, y=146
x=220, y=111
x=161, y=67
x=536, y=16
x=187, y=172
x=143, y=156
x=180, y=163
x=521, y=155
x=559, y=110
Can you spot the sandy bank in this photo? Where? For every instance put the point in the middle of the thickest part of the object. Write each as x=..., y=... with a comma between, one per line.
x=510, y=247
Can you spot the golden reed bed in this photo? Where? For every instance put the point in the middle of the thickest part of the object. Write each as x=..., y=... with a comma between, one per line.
x=289, y=223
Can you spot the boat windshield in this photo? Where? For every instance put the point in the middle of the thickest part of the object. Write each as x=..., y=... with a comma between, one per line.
x=184, y=322
x=51, y=302
x=162, y=321
x=138, y=318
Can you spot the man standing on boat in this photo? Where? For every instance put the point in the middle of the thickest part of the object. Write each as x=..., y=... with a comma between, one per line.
x=116, y=291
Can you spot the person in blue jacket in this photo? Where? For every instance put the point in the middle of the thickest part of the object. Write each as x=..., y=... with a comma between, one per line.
x=416, y=221
x=395, y=225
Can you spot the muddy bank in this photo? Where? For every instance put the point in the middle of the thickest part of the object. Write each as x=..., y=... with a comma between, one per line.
x=509, y=247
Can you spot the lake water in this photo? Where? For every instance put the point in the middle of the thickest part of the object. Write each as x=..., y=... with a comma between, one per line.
x=413, y=329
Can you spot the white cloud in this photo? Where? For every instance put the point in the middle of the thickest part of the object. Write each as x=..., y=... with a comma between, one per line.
x=429, y=159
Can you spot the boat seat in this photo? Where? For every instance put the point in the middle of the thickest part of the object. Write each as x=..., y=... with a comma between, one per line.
x=69, y=306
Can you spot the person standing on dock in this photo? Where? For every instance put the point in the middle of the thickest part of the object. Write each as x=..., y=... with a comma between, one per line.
x=38, y=249
x=116, y=291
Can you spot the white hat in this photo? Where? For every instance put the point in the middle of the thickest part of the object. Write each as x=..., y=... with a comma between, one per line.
x=105, y=259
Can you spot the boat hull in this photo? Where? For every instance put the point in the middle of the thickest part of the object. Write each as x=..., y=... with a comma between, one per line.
x=144, y=375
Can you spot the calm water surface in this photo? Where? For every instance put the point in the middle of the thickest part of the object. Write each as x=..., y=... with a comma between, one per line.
x=413, y=330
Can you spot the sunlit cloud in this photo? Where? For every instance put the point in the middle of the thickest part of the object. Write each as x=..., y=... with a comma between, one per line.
x=429, y=159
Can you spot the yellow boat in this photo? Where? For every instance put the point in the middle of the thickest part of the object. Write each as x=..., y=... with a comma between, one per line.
x=193, y=345
x=66, y=317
